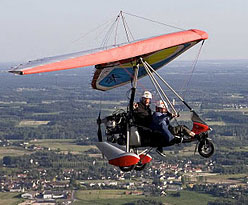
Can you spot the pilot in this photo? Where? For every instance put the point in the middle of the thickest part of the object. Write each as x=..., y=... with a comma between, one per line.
x=142, y=112
x=161, y=122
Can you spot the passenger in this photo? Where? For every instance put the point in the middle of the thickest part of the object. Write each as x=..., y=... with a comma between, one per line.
x=161, y=122
x=142, y=112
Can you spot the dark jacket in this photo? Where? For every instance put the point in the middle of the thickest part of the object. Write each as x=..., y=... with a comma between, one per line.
x=161, y=123
x=142, y=115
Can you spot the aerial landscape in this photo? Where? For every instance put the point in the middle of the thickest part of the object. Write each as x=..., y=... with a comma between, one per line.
x=50, y=144
x=47, y=140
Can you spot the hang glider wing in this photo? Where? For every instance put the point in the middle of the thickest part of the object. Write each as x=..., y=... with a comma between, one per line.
x=114, y=65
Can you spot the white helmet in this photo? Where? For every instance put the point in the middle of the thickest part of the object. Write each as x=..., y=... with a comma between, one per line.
x=147, y=94
x=161, y=104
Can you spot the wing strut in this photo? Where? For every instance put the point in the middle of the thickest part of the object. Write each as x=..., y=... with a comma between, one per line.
x=130, y=113
x=160, y=91
x=175, y=93
x=162, y=95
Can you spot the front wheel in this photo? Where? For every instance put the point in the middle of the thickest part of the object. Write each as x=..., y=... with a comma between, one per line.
x=140, y=166
x=206, y=148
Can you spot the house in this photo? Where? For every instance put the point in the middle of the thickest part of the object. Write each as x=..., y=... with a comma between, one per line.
x=54, y=195
x=198, y=170
x=15, y=187
x=113, y=183
x=47, y=195
x=136, y=193
x=174, y=188
x=59, y=195
x=27, y=196
x=22, y=175
x=60, y=184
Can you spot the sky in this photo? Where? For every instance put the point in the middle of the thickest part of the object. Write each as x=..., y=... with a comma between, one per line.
x=32, y=29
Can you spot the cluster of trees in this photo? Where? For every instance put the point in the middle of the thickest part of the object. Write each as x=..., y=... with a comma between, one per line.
x=231, y=162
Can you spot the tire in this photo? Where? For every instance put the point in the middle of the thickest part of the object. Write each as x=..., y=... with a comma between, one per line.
x=206, y=148
x=127, y=169
x=140, y=167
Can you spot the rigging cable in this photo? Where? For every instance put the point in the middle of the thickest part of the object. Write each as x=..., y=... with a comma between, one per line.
x=186, y=84
x=154, y=21
x=109, y=32
x=116, y=30
x=124, y=25
x=99, y=28
x=129, y=30
x=113, y=28
x=93, y=30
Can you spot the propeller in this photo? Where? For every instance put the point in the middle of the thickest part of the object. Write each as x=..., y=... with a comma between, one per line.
x=99, y=131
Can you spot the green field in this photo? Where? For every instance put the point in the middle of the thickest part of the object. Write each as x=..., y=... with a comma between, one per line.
x=12, y=151
x=104, y=197
x=227, y=178
x=188, y=197
x=232, y=149
x=64, y=145
x=185, y=151
x=9, y=198
x=46, y=113
x=105, y=102
x=31, y=123
x=241, y=149
x=120, y=197
x=219, y=123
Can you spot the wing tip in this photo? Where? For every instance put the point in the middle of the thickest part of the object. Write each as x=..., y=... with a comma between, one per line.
x=16, y=72
x=203, y=34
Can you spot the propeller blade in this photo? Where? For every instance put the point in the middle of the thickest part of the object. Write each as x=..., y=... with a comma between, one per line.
x=99, y=131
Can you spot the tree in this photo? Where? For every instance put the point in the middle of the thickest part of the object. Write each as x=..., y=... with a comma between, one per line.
x=7, y=160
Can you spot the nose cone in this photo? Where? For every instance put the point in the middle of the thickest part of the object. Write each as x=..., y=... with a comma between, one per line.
x=116, y=156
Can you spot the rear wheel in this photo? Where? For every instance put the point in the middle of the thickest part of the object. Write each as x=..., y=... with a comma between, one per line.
x=127, y=169
x=206, y=148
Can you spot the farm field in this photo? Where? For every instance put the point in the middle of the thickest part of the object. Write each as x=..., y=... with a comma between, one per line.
x=226, y=178
x=188, y=197
x=32, y=123
x=64, y=145
x=12, y=151
x=122, y=196
x=7, y=198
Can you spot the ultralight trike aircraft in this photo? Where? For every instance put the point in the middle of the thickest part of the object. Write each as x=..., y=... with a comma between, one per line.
x=119, y=65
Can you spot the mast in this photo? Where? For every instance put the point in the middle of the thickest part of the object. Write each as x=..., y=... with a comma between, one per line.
x=131, y=101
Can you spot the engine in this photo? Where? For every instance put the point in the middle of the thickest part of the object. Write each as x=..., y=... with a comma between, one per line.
x=116, y=127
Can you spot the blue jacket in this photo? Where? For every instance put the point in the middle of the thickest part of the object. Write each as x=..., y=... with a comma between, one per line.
x=160, y=122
